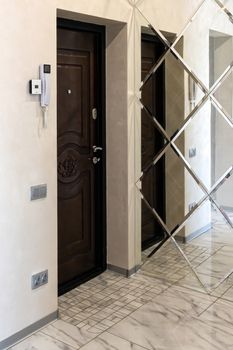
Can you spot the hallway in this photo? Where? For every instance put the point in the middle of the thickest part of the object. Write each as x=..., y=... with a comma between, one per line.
x=112, y=312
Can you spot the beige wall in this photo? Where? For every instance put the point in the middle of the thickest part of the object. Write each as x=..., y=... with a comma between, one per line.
x=28, y=153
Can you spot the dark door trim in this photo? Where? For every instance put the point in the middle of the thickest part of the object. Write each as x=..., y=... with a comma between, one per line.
x=101, y=220
x=159, y=105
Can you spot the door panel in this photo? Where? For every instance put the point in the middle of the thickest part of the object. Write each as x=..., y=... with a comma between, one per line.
x=78, y=179
x=152, y=142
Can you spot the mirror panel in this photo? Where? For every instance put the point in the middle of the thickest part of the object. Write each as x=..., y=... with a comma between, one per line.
x=207, y=242
x=185, y=167
x=208, y=43
x=160, y=14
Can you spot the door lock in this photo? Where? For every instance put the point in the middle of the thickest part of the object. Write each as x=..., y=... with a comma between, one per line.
x=95, y=160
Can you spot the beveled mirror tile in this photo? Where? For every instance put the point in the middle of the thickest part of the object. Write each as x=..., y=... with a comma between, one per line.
x=225, y=92
x=153, y=139
x=210, y=33
x=161, y=13
x=167, y=265
x=150, y=47
x=207, y=241
x=168, y=196
x=171, y=94
x=223, y=196
x=208, y=137
x=227, y=7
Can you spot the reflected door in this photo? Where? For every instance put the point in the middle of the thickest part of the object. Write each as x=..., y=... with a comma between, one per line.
x=153, y=96
x=81, y=252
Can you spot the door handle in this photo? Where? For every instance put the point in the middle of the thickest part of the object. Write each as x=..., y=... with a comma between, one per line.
x=95, y=160
x=96, y=149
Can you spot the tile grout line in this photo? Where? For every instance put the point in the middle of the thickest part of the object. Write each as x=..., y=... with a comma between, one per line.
x=123, y=278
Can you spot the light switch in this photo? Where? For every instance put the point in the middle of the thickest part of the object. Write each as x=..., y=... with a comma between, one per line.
x=38, y=192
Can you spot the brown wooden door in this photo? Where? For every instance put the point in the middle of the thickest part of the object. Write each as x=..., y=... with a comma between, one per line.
x=79, y=179
x=153, y=97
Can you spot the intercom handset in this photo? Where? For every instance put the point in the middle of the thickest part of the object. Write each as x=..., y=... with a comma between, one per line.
x=45, y=71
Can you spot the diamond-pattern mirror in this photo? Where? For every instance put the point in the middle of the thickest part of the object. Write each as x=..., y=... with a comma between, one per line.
x=160, y=14
x=207, y=241
x=207, y=154
x=224, y=95
x=186, y=99
x=182, y=94
x=165, y=186
x=208, y=43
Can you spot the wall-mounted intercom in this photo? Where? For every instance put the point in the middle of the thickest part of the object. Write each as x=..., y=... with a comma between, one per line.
x=35, y=87
x=42, y=87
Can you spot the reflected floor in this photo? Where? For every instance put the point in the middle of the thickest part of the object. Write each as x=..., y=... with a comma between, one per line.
x=210, y=255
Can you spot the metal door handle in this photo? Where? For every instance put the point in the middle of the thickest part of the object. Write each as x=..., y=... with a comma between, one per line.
x=95, y=160
x=96, y=148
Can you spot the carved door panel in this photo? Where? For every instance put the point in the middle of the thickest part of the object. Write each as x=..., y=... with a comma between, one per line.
x=77, y=175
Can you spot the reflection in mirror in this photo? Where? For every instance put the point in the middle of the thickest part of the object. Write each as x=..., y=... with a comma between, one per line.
x=223, y=96
x=207, y=241
x=186, y=134
x=165, y=186
x=208, y=41
x=227, y=7
x=167, y=264
x=160, y=14
x=208, y=137
x=176, y=89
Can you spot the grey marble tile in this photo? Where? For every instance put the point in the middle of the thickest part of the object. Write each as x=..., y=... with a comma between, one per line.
x=107, y=341
x=218, y=265
x=214, y=288
x=40, y=341
x=157, y=328
x=228, y=295
x=69, y=334
x=220, y=315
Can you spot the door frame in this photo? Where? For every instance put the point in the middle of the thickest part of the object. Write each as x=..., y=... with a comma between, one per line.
x=148, y=36
x=100, y=194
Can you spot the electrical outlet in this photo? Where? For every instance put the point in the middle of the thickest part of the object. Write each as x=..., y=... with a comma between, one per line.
x=39, y=279
x=192, y=152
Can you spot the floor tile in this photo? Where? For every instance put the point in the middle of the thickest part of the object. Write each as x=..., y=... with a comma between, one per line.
x=156, y=327
x=107, y=341
x=40, y=341
x=68, y=334
x=219, y=315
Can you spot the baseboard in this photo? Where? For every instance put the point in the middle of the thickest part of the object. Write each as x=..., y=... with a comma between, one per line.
x=19, y=336
x=194, y=234
x=122, y=271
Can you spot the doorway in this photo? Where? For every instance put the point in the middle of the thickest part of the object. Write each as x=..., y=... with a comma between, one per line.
x=80, y=152
x=153, y=97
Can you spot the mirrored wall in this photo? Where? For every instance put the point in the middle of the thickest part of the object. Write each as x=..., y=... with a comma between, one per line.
x=184, y=128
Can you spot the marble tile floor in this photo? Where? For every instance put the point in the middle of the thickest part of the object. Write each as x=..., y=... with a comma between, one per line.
x=210, y=255
x=112, y=312
x=162, y=307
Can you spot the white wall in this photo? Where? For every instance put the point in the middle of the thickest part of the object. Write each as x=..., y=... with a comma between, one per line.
x=28, y=157
x=28, y=153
